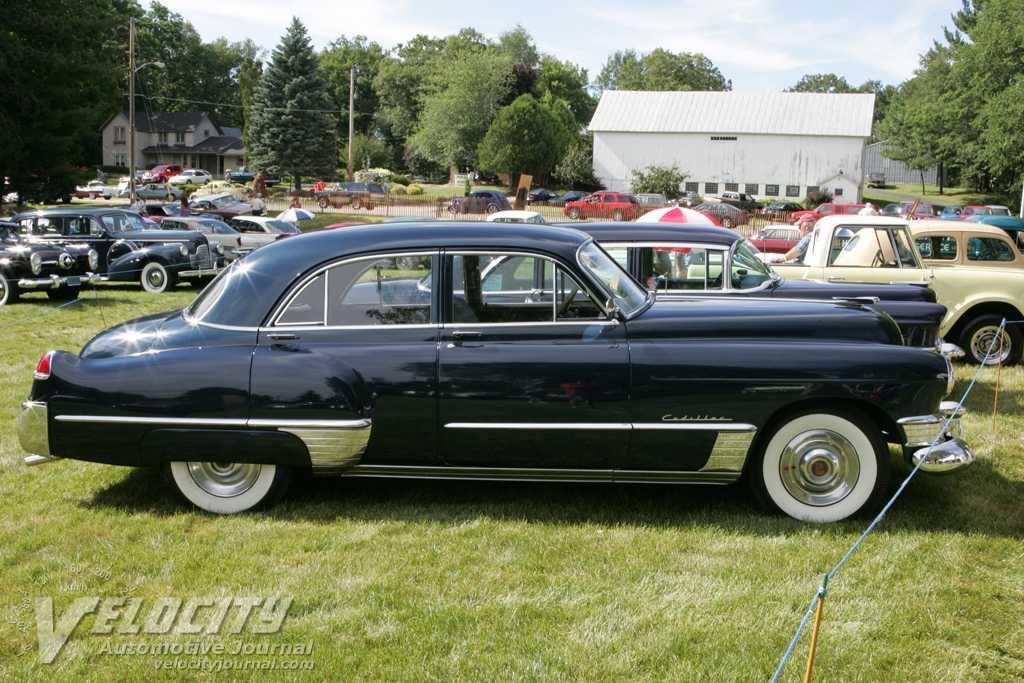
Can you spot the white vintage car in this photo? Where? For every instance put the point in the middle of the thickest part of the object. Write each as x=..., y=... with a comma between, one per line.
x=853, y=248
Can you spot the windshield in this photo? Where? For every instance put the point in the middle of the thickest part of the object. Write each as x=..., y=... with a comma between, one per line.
x=748, y=269
x=224, y=202
x=628, y=296
x=282, y=227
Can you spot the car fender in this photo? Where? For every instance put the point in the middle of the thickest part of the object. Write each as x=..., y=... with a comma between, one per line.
x=133, y=262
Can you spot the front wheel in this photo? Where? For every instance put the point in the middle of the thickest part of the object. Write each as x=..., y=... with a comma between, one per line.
x=980, y=334
x=822, y=466
x=453, y=209
x=322, y=202
x=573, y=213
x=727, y=223
x=156, y=279
x=357, y=203
x=617, y=215
x=492, y=208
x=8, y=291
x=227, y=487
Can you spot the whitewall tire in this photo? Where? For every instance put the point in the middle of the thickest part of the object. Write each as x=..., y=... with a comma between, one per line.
x=228, y=488
x=822, y=466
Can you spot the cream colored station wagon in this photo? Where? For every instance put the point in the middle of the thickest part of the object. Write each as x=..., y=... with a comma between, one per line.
x=883, y=249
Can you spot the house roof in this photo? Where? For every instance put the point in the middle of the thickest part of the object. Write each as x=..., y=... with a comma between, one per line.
x=168, y=121
x=220, y=144
x=830, y=114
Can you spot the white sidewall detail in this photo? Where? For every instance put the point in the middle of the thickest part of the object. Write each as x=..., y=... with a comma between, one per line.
x=223, y=506
x=848, y=506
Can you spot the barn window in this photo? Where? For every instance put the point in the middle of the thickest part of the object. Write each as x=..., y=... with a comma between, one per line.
x=750, y=188
x=711, y=188
x=838, y=192
x=771, y=190
x=792, y=190
x=732, y=187
x=693, y=187
x=723, y=138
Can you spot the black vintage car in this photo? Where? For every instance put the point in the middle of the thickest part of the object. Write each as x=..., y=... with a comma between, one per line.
x=459, y=351
x=480, y=201
x=25, y=267
x=128, y=250
x=357, y=195
x=683, y=261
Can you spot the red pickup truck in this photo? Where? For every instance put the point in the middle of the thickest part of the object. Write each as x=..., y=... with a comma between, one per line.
x=823, y=210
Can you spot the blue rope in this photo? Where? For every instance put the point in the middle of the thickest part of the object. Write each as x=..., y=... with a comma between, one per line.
x=822, y=590
x=77, y=301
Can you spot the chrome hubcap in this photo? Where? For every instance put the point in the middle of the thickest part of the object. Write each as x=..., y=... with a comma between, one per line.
x=155, y=278
x=224, y=479
x=819, y=467
x=986, y=337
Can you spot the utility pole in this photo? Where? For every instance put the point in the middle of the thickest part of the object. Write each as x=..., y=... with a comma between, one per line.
x=131, y=110
x=351, y=116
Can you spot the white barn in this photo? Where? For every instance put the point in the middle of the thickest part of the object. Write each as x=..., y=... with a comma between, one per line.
x=770, y=145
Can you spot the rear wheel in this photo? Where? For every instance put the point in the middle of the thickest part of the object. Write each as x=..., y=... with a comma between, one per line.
x=492, y=208
x=617, y=215
x=822, y=466
x=322, y=202
x=726, y=222
x=453, y=209
x=357, y=203
x=156, y=279
x=226, y=487
x=8, y=291
x=981, y=333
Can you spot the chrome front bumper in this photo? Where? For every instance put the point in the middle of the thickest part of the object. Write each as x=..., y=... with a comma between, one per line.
x=950, y=452
x=56, y=281
x=33, y=434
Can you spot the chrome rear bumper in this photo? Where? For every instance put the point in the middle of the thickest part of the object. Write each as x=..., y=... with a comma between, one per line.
x=33, y=434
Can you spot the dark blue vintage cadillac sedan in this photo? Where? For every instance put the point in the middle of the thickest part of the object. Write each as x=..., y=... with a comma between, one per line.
x=460, y=351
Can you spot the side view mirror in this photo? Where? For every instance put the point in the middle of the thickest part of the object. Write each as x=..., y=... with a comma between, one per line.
x=611, y=309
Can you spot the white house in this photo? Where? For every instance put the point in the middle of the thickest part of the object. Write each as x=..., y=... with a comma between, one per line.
x=765, y=144
x=192, y=139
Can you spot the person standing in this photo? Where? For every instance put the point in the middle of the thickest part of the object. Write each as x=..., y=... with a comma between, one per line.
x=259, y=207
x=868, y=210
x=296, y=204
x=185, y=209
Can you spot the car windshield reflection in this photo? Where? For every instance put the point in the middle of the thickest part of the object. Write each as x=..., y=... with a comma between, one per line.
x=628, y=296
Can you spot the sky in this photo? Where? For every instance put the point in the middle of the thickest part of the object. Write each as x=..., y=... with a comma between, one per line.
x=760, y=45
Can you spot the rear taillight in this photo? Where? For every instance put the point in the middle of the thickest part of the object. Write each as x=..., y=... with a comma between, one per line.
x=43, y=369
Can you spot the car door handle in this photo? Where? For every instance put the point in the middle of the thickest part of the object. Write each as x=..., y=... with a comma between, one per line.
x=279, y=336
x=459, y=334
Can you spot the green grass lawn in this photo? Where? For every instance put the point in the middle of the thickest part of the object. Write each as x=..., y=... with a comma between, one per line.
x=458, y=581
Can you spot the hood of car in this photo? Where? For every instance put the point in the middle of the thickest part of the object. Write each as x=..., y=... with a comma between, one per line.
x=763, y=321
x=796, y=289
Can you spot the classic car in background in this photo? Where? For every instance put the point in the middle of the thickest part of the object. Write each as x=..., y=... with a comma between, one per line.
x=255, y=231
x=524, y=353
x=357, y=195
x=964, y=243
x=480, y=201
x=26, y=267
x=681, y=261
x=155, y=191
x=727, y=215
x=193, y=176
x=516, y=217
x=95, y=189
x=776, y=239
x=246, y=175
x=882, y=249
x=127, y=249
x=216, y=230
x=224, y=205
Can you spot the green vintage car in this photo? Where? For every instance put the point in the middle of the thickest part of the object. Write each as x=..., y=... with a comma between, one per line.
x=853, y=248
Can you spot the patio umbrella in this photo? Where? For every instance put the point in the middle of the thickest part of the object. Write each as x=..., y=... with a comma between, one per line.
x=677, y=214
x=294, y=215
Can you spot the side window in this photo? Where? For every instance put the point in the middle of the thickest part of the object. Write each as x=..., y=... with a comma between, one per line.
x=515, y=288
x=78, y=225
x=937, y=247
x=107, y=221
x=664, y=269
x=374, y=291
x=988, y=249
x=49, y=225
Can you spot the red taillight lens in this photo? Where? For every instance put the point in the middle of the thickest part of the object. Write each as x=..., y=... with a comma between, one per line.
x=43, y=369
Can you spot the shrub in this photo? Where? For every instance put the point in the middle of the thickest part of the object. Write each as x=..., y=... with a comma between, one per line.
x=414, y=188
x=816, y=198
x=399, y=179
x=657, y=179
x=398, y=189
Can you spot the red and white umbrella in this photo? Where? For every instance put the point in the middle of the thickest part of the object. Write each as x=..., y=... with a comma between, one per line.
x=677, y=214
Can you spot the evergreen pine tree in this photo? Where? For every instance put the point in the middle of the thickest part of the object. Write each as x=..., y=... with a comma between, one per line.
x=291, y=130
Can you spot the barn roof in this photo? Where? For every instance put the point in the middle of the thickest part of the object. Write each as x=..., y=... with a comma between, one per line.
x=786, y=113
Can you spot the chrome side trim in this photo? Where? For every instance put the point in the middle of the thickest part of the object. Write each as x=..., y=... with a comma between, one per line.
x=33, y=433
x=729, y=453
x=195, y=421
x=699, y=426
x=333, y=451
x=32, y=460
x=310, y=424
x=593, y=426
x=483, y=473
x=672, y=477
